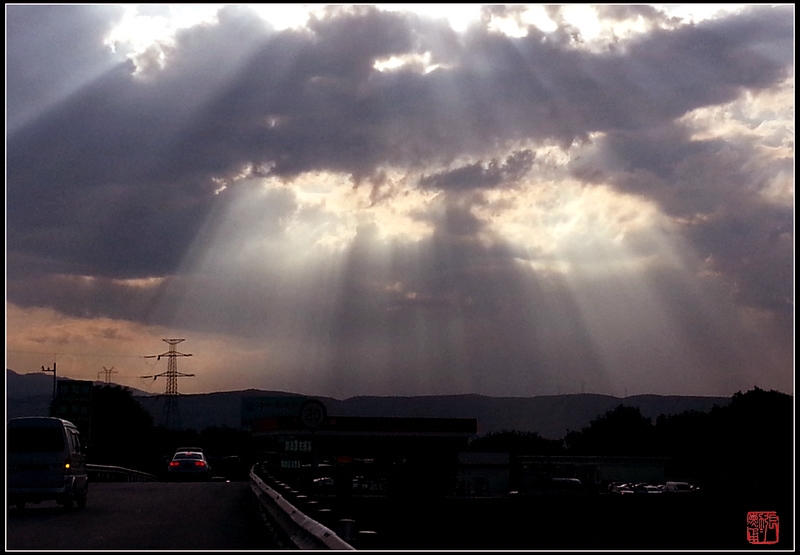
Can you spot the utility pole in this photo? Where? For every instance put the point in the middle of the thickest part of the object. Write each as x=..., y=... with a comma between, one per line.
x=107, y=372
x=53, y=370
x=171, y=417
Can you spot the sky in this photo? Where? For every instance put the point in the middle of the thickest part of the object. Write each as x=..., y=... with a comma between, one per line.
x=403, y=199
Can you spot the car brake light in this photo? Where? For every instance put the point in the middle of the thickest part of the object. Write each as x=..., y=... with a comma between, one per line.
x=174, y=463
x=199, y=463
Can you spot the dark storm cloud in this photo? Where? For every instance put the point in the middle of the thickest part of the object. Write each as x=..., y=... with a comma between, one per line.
x=100, y=183
x=685, y=176
x=716, y=186
x=483, y=176
x=312, y=101
x=117, y=179
x=754, y=248
x=51, y=51
x=77, y=296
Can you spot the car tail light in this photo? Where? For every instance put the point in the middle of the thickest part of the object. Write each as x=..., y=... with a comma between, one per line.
x=199, y=463
x=174, y=463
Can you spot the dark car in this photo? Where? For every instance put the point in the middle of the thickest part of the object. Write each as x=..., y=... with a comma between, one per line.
x=189, y=465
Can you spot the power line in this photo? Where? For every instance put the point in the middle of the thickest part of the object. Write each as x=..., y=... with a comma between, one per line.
x=20, y=351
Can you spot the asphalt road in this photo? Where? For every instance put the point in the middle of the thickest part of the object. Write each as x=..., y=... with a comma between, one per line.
x=143, y=516
x=218, y=516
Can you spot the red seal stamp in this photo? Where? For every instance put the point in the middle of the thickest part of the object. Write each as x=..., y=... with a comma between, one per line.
x=762, y=527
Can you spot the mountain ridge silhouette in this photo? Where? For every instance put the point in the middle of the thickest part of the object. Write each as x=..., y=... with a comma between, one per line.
x=551, y=416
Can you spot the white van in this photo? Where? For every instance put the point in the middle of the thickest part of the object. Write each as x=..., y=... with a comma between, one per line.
x=45, y=461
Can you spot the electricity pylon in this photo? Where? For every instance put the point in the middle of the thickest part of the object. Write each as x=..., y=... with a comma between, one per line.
x=171, y=416
x=108, y=372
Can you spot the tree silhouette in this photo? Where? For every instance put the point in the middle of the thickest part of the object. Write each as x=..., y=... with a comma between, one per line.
x=517, y=443
x=621, y=431
x=121, y=429
x=746, y=445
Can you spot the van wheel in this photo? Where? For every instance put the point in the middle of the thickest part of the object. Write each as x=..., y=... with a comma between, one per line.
x=68, y=503
x=82, y=501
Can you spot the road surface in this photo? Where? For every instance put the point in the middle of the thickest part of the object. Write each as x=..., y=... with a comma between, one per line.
x=143, y=516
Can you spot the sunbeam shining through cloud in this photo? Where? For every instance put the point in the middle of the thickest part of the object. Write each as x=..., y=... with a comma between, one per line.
x=404, y=199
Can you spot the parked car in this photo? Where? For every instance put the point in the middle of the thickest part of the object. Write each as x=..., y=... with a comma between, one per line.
x=566, y=486
x=189, y=465
x=45, y=461
x=678, y=487
x=324, y=485
x=645, y=488
x=324, y=481
x=620, y=488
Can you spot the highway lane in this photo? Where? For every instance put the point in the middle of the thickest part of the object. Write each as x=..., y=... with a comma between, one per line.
x=143, y=516
x=218, y=516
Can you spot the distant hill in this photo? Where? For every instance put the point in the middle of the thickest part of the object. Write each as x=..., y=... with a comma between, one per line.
x=551, y=416
x=41, y=383
x=26, y=385
x=30, y=394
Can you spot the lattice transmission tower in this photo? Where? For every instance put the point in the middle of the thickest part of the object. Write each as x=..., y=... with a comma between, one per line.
x=171, y=416
x=108, y=372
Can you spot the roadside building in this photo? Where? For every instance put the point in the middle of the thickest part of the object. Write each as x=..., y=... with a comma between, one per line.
x=359, y=455
x=482, y=474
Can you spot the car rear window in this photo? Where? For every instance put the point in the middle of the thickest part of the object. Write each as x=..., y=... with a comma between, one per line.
x=188, y=456
x=35, y=440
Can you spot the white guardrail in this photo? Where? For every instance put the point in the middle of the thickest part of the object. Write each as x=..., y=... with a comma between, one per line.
x=107, y=473
x=301, y=530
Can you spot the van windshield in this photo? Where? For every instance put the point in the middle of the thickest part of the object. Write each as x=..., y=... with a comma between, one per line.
x=35, y=440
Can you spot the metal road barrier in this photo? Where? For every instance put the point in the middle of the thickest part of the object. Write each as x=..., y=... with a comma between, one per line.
x=106, y=473
x=293, y=527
